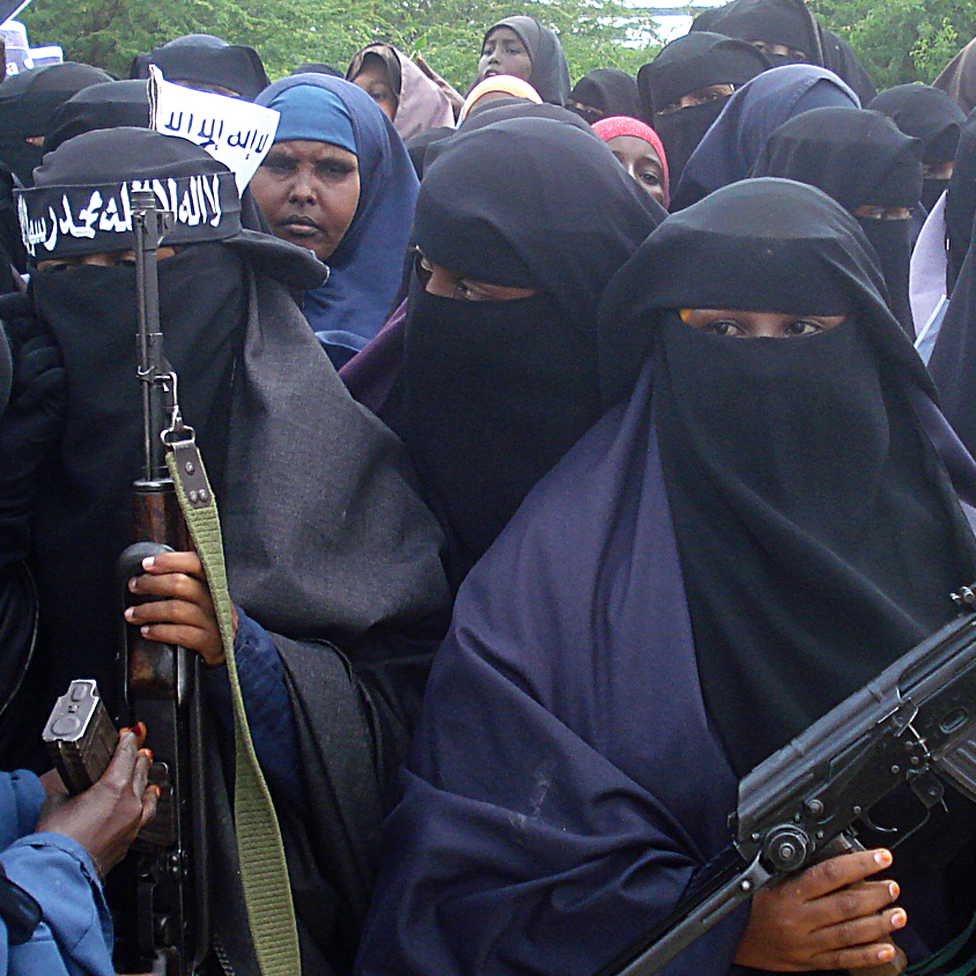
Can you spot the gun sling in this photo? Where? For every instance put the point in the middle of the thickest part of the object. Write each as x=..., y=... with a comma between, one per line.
x=264, y=872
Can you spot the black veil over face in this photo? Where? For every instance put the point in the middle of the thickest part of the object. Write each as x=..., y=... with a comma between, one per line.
x=818, y=534
x=860, y=158
x=83, y=514
x=960, y=207
x=931, y=116
x=686, y=65
x=496, y=392
x=607, y=91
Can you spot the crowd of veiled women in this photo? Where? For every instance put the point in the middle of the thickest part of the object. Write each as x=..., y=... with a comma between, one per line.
x=531, y=562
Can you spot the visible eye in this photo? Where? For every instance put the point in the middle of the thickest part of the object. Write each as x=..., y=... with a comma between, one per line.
x=725, y=327
x=710, y=96
x=651, y=179
x=334, y=168
x=871, y=213
x=513, y=50
x=279, y=165
x=803, y=327
x=53, y=264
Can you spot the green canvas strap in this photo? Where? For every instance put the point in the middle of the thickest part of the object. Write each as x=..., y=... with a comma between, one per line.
x=264, y=873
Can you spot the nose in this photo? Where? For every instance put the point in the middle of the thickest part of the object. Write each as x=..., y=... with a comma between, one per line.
x=301, y=189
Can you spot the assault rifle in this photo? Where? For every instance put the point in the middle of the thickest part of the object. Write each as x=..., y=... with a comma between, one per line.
x=917, y=719
x=160, y=891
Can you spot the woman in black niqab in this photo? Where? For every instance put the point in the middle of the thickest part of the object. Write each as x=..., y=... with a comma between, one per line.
x=818, y=532
x=930, y=115
x=495, y=392
x=873, y=170
x=689, y=64
x=602, y=93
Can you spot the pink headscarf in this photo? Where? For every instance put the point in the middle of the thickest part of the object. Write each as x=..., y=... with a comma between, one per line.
x=623, y=125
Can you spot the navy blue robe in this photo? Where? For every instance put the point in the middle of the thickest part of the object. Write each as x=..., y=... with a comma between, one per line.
x=566, y=787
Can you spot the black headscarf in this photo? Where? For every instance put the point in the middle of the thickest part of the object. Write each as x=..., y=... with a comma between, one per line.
x=605, y=92
x=818, y=533
x=859, y=158
x=788, y=22
x=960, y=206
x=27, y=104
x=103, y=106
x=933, y=117
x=695, y=61
x=550, y=73
x=496, y=392
x=202, y=59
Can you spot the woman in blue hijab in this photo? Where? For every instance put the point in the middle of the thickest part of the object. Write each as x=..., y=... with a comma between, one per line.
x=339, y=182
x=732, y=145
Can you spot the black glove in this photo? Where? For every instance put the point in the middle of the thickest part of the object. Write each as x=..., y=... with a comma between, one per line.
x=32, y=426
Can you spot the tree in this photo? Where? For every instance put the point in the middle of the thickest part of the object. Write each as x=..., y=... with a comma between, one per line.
x=286, y=33
x=899, y=41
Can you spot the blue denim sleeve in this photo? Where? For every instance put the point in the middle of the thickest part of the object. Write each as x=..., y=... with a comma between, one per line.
x=268, y=708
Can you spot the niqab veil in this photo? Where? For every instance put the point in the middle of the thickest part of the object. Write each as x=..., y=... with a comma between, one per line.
x=860, y=158
x=495, y=392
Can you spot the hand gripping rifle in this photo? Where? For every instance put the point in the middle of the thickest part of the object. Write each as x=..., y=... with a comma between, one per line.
x=161, y=893
x=917, y=719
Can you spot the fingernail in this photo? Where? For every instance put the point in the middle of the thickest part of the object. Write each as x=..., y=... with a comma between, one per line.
x=140, y=728
x=893, y=889
x=159, y=792
x=130, y=613
x=882, y=858
x=898, y=918
x=886, y=953
x=144, y=630
x=148, y=562
x=123, y=730
x=132, y=583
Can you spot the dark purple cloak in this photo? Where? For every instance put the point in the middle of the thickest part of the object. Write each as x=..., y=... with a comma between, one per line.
x=567, y=788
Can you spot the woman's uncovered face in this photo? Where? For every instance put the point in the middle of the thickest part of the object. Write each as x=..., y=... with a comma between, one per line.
x=642, y=162
x=504, y=54
x=374, y=79
x=309, y=191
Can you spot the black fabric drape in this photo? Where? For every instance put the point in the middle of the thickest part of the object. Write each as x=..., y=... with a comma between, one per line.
x=495, y=392
x=859, y=158
x=819, y=535
x=688, y=64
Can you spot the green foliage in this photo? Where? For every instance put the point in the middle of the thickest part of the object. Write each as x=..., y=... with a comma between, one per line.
x=286, y=33
x=900, y=41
